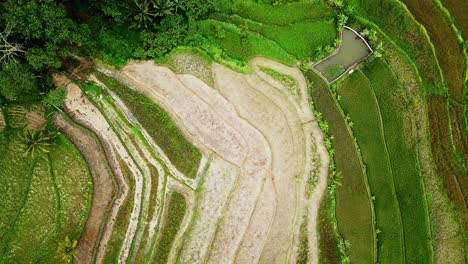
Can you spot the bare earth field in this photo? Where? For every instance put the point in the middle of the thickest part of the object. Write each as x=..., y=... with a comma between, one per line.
x=260, y=143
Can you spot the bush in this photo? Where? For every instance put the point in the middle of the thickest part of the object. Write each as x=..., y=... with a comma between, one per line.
x=17, y=82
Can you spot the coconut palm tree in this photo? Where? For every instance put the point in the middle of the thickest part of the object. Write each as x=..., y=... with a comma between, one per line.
x=67, y=249
x=163, y=7
x=148, y=10
x=33, y=142
x=144, y=14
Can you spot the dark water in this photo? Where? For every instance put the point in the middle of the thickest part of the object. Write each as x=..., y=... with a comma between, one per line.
x=352, y=50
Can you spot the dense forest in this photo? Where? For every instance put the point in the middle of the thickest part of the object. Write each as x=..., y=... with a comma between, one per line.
x=37, y=37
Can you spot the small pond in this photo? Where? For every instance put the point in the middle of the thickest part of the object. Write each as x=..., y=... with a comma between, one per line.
x=353, y=49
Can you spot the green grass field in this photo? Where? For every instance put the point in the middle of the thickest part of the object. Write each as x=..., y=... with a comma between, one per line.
x=360, y=104
x=51, y=202
x=159, y=126
x=403, y=159
x=353, y=205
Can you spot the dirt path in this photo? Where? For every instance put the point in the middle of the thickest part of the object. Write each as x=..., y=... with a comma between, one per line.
x=103, y=186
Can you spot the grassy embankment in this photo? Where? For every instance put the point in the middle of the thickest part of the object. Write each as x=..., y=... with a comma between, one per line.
x=354, y=210
x=48, y=196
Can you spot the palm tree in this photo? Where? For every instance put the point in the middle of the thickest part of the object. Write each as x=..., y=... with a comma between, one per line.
x=148, y=10
x=33, y=142
x=67, y=249
x=143, y=13
x=163, y=7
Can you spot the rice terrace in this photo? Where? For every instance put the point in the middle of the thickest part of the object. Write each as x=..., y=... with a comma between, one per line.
x=234, y=131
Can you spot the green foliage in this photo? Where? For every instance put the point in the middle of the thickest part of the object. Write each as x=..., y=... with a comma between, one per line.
x=114, y=44
x=123, y=218
x=40, y=58
x=149, y=10
x=171, y=33
x=341, y=20
x=67, y=249
x=47, y=197
x=17, y=82
x=336, y=3
x=407, y=34
x=297, y=39
x=34, y=143
x=286, y=80
x=44, y=23
x=55, y=98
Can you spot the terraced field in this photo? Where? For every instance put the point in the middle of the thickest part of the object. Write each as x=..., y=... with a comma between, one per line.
x=54, y=194
x=354, y=209
x=230, y=147
x=161, y=207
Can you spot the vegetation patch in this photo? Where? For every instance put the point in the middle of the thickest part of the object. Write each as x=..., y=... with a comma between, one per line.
x=403, y=158
x=191, y=61
x=447, y=49
x=298, y=39
x=286, y=80
x=329, y=252
x=458, y=11
x=173, y=220
x=359, y=102
x=2, y=121
x=284, y=14
x=230, y=41
x=185, y=157
x=354, y=212
x=58, y=201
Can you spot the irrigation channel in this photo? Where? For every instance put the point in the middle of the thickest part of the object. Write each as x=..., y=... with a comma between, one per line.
x=353, y=50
